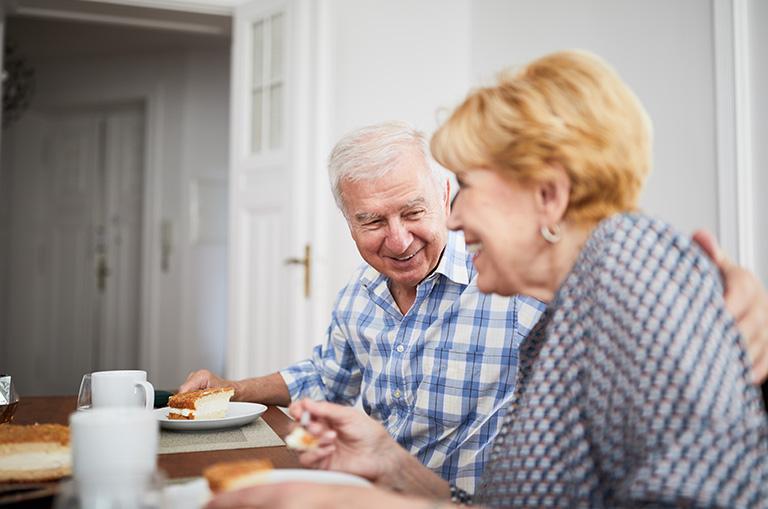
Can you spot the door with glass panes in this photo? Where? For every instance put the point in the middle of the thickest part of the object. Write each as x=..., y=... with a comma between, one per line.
x=271, y=153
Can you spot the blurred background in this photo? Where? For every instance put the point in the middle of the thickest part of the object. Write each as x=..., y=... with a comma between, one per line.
x=163, y=196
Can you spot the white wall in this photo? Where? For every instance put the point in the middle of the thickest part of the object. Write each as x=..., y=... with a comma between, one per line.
x=758, y=29
x=410, y=59
x=187, y=94
x=394, y=60
x=662, y=49
x=205, y=142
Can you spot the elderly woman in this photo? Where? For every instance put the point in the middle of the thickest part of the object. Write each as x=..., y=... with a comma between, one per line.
x=634, y=387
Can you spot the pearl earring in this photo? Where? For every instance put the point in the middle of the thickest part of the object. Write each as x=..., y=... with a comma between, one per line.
x=552, y=234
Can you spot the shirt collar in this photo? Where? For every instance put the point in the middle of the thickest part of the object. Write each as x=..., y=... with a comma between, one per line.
x=452, y=265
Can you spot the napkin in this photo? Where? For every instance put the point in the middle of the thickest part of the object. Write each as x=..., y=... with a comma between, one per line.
x=192, y=494
x=8, y=393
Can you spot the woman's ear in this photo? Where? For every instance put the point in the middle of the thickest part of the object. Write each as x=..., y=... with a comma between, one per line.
x=447, y=197
x=553, y=194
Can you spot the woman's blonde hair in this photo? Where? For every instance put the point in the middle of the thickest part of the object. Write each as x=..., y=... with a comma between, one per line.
x=569, y=108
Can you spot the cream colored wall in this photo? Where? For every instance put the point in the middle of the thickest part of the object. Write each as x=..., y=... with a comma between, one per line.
x=664, y=50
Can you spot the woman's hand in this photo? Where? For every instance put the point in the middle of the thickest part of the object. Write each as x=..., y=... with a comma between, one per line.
x=348, y=441
x=747, y=300
x=307, y=495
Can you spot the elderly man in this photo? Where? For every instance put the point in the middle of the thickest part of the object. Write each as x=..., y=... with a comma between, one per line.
x=433, y=358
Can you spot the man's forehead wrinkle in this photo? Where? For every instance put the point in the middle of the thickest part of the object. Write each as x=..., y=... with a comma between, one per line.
x=414, y=202
x=362, y=217
x=370, y=216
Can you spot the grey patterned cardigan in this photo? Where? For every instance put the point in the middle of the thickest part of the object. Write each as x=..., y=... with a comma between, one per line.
x=633, y=389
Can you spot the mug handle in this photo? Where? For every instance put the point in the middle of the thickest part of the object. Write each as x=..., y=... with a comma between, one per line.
x=149, y=394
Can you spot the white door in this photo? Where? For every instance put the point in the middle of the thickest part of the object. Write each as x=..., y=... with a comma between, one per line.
x=75, y=196
x=272, y=156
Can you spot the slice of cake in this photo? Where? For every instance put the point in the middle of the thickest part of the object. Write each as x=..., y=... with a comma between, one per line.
x=34, y=453
x=300, y=439
x=234, y=475
x=198, y=405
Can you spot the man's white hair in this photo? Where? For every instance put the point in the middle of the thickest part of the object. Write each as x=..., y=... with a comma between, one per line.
x=373, y=151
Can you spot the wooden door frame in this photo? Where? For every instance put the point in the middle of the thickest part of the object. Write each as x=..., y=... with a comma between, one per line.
x=307, y=123
x=733, y=126
x=3, y=282
x=151, y=275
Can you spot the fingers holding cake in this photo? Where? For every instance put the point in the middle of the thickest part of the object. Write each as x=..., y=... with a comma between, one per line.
x=313, y=437
x=347, y=439
x=204, y=379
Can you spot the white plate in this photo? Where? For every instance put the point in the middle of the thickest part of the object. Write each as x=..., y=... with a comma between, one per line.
x=238, y=414
x=194, y=494
x=279, y=475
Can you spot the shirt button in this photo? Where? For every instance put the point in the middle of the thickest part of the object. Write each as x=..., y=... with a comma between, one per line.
x=400, y=348
x=397, y=393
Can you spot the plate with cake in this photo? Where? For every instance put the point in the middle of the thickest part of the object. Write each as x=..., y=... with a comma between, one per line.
x=207, y=409
x=34, y=452
x=235, y=475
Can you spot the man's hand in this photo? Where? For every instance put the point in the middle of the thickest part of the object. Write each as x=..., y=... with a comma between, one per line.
x=204, y=379
x=268, y=390
x=747, y=301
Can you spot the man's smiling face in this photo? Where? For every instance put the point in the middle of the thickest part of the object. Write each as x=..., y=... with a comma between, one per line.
x=398, y=221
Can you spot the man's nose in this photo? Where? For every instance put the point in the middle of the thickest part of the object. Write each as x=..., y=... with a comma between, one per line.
x=398, y=237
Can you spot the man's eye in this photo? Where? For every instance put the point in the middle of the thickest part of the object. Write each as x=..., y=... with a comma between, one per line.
x=414, y=214
x=371, y=225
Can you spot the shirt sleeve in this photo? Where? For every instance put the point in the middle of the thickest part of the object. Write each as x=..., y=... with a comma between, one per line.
x=332, y=373
x=666, y=381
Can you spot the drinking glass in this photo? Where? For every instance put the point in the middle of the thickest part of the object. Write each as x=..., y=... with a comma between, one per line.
x=84, y=397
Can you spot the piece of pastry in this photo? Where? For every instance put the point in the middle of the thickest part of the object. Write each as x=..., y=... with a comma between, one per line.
x=198, y=405
x=34, y=452
x=233, y=475
x=300, y=439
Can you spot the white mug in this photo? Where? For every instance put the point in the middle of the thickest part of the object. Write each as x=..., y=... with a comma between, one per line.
x=114, y=454
x=121, y=388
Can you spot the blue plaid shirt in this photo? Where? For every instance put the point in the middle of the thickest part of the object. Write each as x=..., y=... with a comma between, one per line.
x=436, y=377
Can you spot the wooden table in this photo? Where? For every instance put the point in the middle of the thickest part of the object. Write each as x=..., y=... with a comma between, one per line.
x=56, y=409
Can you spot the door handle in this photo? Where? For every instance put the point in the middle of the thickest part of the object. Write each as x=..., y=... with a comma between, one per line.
x=102, y=268
x=306, y=262
x=102, y=273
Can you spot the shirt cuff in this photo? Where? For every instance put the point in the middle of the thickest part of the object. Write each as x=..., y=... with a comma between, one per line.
x=302, y=381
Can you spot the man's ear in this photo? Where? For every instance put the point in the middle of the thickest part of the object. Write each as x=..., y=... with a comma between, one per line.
x=553, y=195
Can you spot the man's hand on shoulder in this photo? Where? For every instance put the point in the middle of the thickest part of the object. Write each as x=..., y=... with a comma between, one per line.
x=204, y=379
x=747, y=301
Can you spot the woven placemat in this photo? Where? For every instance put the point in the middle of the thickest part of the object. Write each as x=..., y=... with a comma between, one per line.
x=256, y=434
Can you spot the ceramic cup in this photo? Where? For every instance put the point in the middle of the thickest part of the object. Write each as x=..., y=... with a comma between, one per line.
x=122, y=388
x=114, y=455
